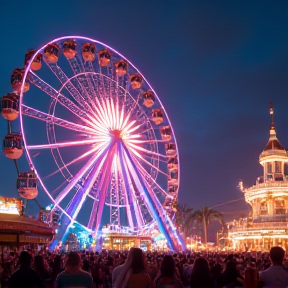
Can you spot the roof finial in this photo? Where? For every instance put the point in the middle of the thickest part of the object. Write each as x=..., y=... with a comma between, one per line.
x=272, y=127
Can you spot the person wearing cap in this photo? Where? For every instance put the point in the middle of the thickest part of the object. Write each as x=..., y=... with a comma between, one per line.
x=73, y=276
x=25, y=276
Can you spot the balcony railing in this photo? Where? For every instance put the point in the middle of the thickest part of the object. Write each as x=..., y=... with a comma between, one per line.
x=257, y=226
x=267, y=184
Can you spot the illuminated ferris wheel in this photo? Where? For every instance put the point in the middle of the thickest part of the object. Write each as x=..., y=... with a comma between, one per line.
x=96, y=136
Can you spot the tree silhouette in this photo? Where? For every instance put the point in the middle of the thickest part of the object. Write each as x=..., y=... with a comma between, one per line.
x=204, y=216
x=184, y=219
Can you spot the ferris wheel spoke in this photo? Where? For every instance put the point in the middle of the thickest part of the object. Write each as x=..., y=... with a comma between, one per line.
x=74, y=181
x=137, y=186
x=134, y=106
x=136, y=141
x=82, y=80
x=50, y=119
x=146, y=151
x=101, y=117
x=69, y=86
x=141, y=207
x=92, y=75
x=70, y=209
x=60, y=144
x=59, y=187
x=85, y=190
x=148, y=154
x=146, y=175
x=81, y=157
x=102, y=79
x=54, y=94
x=139, y=156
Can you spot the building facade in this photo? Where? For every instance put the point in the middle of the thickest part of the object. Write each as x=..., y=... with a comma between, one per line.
x=267, y=224
x=17, y=229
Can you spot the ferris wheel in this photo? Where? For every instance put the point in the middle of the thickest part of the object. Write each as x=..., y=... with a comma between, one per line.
x=96, y=136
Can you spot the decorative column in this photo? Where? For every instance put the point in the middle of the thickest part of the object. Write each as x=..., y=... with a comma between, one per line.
x=254, y=208
x=270, y=207
x=258, y=201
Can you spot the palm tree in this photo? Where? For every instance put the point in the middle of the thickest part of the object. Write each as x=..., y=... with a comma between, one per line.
x=184, y=218
x=204, y=216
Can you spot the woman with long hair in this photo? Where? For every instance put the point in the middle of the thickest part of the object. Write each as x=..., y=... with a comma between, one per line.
x=119, y=272
x=231, y=275
x=132, y=274
x=167, y=274
x=138, y=277
x=200, y=275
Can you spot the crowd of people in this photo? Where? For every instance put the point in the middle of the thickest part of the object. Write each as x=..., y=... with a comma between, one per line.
x=138, y=269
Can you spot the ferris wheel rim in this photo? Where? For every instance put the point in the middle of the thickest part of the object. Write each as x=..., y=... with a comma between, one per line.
x=27, y=69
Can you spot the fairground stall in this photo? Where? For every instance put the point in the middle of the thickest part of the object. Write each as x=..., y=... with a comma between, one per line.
x=17, y=229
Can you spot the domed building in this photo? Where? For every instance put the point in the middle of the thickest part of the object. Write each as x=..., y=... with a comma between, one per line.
x=267, y=225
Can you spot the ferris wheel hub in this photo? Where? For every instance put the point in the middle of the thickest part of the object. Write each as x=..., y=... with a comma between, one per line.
x=116, y=134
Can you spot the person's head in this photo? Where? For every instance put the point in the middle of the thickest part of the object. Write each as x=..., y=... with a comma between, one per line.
x=200, y=274
x=39, y=262
x=201, y=266
x=86, y=265
x=57, y=261
x=167, y=266
x=231, y=270
x=73, y=260
x=216, y=270
x=25, y=258
x=138, y=260
x=277, y=255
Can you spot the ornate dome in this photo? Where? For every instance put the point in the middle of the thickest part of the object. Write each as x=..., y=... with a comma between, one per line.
x=273, y=146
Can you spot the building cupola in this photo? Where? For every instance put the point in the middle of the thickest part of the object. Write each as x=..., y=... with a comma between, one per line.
x=274, y=158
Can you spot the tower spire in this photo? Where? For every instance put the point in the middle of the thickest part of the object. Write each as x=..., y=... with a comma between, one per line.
x=272, y=127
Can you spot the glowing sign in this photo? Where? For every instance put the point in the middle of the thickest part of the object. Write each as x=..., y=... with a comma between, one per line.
x=10, y=205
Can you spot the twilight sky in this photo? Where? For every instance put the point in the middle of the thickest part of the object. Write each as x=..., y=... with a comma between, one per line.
x=215, y=65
